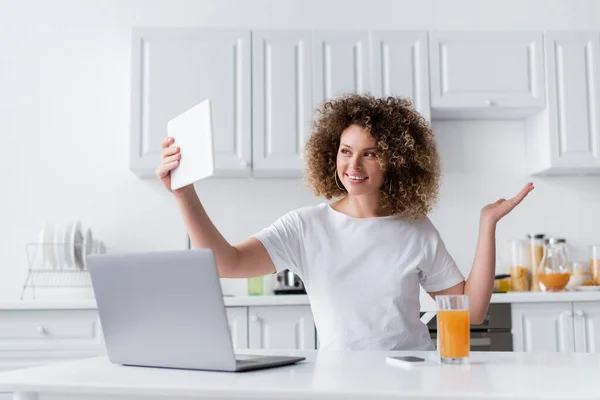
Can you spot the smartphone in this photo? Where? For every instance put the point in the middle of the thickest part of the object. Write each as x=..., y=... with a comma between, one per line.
x=409, y=362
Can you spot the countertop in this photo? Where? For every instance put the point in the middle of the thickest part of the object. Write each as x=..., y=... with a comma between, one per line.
x=232, y=301
x=327, y=375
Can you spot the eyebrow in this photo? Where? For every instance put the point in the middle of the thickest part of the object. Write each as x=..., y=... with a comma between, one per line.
x=369, y=148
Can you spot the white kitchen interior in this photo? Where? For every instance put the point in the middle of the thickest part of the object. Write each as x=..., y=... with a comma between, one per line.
x=74, y=97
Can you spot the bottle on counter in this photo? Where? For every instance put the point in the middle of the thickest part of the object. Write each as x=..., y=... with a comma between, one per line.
x=519, y=265
x=595, y=264
x=536, y=252
x=255, y=286
x=554, y=271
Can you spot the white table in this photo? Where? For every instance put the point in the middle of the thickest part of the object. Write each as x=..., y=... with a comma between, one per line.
x=325, y=375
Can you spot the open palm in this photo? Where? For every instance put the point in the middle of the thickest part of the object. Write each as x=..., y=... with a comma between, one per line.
x=495, y=211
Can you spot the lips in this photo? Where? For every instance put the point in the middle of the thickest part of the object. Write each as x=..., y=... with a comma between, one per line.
x=356, y=177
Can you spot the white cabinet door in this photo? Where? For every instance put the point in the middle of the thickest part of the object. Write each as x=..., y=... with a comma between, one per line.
x=341, y=64
x=486, y=73
x=282, y=101
x=539, y=327
x=173, y=69
x=237, y=317
x=565, y=139
x=281, y=327
x=401, y=67
x=587, y=326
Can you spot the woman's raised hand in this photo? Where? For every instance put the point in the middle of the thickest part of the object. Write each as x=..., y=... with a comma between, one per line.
x=169, y=161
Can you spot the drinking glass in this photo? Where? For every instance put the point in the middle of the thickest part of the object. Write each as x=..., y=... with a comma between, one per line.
x=453, y=336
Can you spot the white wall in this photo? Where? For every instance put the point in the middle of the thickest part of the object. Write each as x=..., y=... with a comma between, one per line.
x=64, y=126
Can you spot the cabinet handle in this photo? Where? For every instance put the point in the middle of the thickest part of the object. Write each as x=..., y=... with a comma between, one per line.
x=488, y=102
x=41, y=330
x=245, y=164
x=580, y=313
x=569, y=313
x=254, y=318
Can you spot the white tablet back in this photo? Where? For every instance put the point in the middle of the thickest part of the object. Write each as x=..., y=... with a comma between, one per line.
x=192, y=131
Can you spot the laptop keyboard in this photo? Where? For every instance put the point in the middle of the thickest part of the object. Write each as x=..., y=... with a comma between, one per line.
x=243, y=359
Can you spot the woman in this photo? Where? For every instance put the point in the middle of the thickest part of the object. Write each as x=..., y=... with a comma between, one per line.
x=362, y=257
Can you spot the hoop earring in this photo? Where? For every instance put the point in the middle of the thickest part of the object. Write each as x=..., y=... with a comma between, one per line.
x=390, y=187
x=335, y=178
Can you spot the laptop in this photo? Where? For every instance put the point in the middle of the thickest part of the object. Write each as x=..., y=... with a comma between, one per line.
x=165, y=309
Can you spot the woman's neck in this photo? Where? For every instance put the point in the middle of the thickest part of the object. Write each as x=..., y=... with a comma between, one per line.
x=360, y=206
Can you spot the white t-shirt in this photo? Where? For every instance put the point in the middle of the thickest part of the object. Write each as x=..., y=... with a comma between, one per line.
x=362, y=275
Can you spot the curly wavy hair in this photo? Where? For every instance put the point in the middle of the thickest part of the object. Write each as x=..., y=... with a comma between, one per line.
x=407, y=152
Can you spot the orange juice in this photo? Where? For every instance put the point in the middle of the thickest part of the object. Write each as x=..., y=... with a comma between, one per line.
x=553, y=282
x=453, y=333
x=595, y=270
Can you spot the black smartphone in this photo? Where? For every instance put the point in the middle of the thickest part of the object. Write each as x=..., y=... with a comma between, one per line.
x=409, y=359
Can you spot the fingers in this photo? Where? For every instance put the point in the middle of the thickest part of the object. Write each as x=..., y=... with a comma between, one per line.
x=170, y=157
x=166, y=142
x=166, y=167
x=521, y=195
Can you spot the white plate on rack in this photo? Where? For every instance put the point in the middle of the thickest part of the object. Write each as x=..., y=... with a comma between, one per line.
x=59, y=248
x=73, y=245
x=46, y=246
x=88, y=245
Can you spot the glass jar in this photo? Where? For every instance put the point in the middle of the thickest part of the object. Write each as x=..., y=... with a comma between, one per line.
x=519, y=265
x=536, y=252
x=580, y=273
x=255, y=286
x=554, y=271
x=595, y=264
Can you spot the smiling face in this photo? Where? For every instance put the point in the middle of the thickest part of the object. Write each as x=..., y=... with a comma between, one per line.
x=357, y=165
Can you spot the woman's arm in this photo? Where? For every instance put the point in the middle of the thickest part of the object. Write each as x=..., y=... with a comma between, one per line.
x=246, y=260
x=480, y=282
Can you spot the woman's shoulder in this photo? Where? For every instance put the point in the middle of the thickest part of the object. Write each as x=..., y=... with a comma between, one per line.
x=309, y=212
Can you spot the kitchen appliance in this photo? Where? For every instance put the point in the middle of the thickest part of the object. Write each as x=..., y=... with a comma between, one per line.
x=494, y=334
x=286, y=282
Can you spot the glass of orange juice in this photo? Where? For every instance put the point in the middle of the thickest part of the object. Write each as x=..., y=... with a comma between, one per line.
x=595, y=264
x=453, y=338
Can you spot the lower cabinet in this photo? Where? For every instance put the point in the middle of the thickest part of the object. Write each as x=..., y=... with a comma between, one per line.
x=272, y=327
x=556, y=327
x=238, y=325
x=30, y=338
x=281, y=327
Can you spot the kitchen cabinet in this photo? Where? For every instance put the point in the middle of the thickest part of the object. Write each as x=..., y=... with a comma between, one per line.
x=281, y=101
x=565, y=137
x=30, y=338
x=237, y=317
x=175, y=68
x=401, y=67
x=341, y=63
x=486, y=74
x=277, y=327
x=587, y=327
x=556, y=327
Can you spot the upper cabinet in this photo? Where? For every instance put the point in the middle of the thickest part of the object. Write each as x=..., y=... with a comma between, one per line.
x=486, y=74
x=401, y=67
x=173, y=69
x=565, y=137
x=265, y=86
x=281, y=101
x=341, y=64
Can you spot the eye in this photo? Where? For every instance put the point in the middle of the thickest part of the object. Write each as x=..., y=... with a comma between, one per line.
x=370, y=154
x=344, y=151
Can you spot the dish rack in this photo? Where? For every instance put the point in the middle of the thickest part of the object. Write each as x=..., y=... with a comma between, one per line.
x=54, y=266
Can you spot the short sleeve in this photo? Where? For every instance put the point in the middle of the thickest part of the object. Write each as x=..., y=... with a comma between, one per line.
x=283, y=242
x=439, y=270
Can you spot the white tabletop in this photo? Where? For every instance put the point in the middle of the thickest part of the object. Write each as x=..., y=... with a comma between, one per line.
x=330, y=375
